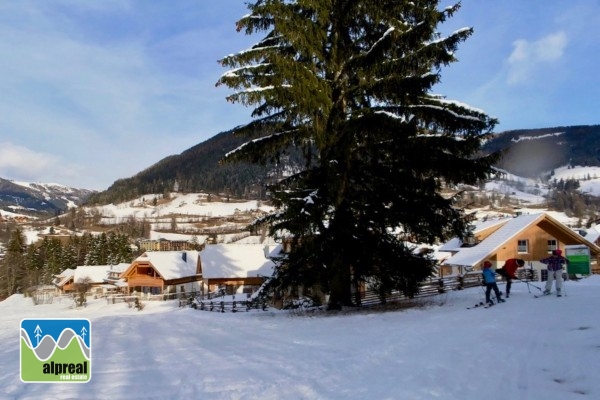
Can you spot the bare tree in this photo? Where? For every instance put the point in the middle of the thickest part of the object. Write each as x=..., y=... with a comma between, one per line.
x=82, y=286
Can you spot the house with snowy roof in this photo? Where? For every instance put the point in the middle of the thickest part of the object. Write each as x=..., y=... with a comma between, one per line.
x=64, y=280
x=113, y=280
x=95, y=275
x=161, y=272
x=225, y=268
x=102, y=278
x=530, y=237
x=237, y=268
x=592, y=234
x=114, y=271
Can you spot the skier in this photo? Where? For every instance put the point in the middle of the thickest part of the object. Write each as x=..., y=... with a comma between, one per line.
x=489, y=277
x=555, y=266
x=508, y=271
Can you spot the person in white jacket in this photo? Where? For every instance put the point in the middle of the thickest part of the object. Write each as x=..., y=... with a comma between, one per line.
x=555, y=270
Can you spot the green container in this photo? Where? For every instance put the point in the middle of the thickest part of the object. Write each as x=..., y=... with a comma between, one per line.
x=579, y=260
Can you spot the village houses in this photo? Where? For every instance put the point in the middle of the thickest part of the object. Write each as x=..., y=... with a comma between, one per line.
x=530, y=237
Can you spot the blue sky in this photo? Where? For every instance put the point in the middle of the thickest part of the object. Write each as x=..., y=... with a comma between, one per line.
x=95, y=91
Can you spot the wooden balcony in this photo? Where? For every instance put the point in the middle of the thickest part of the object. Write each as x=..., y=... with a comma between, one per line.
x=142, y=280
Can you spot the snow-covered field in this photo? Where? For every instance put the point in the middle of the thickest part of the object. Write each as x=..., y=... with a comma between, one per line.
x=191, y=204
x=527, y=348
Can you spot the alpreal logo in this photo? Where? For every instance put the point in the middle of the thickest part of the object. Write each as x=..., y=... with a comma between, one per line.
x=56, y=350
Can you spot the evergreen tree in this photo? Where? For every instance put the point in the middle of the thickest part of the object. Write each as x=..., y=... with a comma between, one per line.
x=79, y=246
x=350, y=84
x=98, y=251
x=34, y=266
x=13, y=271
x=53, y=256
x=119, y=250
x=68, y=258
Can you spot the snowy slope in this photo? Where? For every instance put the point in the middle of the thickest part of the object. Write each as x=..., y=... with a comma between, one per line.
x=588, y=177
x=524, y=349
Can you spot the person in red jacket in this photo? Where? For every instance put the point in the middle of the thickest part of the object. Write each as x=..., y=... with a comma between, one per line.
x=508, y=271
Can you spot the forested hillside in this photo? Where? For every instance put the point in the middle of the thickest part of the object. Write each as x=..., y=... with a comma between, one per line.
x=528, y=153
x=198, y=170
x=25, y=265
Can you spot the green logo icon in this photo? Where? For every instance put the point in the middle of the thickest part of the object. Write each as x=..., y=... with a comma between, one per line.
x=56, y=350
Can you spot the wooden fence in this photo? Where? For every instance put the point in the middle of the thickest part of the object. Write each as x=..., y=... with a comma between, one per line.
x=224, y=303
x=435, y=286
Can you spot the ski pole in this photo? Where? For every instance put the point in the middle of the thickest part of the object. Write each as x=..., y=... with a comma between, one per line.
x=532, y=276
x=483, y=290
x=527, y=283
x=530, y=284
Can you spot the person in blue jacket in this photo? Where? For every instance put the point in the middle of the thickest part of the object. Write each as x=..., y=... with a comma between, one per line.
x=489, y=278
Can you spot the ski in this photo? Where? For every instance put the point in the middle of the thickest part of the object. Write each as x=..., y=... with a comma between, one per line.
x=478, y=305
x=481, y=304
x=494, y=303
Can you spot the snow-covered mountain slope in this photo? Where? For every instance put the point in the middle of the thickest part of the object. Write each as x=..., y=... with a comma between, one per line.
x=39, y=198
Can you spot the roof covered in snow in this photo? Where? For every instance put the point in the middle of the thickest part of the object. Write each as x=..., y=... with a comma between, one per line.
x=118, y=268
x=592, y=234
x=63, y=277
x=172, y=264
x=96, y=273
x=455, y=244
x=237, y=260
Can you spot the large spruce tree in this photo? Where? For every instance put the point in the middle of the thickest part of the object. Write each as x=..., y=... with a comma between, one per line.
x=13, y=272
x=350, y=83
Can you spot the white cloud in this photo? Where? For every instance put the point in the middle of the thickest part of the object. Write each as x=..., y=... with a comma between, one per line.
x=23, y=161
x=527, y=56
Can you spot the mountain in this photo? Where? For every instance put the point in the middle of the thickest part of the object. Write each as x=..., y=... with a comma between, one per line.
x=528, y=153
x=39, y=198
x=198, y=170
x=535, y=153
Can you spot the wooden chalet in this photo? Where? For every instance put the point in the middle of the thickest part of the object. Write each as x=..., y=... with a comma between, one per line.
x=96, y=276
x=102, y=278
x=530, y=237
x=236, y=268
x=161, y=272
x=64, y=281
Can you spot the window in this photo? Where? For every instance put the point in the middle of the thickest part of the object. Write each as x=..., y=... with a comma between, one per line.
x=522, y=246
x=552, y=245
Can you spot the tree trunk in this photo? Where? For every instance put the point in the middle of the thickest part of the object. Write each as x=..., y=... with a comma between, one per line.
x=340, y=292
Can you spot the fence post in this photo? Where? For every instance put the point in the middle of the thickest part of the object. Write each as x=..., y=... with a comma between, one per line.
x=441, y=286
